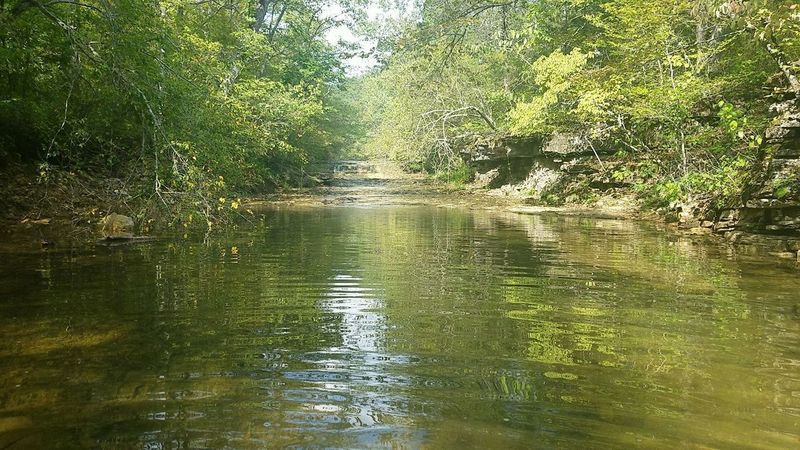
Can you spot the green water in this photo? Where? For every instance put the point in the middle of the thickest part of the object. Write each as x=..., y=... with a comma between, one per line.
x=401, y=327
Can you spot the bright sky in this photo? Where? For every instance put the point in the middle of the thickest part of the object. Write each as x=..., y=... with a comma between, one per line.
x=378, y=12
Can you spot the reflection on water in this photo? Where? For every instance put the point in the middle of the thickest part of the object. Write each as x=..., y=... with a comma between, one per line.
x=402, y=327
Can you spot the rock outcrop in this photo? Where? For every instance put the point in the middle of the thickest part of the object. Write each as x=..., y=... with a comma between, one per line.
x=767, y=219
x=531, y=164
x=771, y=203
x=561, y=168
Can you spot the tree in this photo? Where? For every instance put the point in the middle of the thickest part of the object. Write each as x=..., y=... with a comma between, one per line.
x=198, y=97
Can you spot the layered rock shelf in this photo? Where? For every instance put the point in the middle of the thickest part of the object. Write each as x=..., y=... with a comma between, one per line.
x=768, y=217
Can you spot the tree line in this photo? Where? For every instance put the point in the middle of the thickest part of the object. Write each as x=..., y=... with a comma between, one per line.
x=680, y=89
x=190, y=99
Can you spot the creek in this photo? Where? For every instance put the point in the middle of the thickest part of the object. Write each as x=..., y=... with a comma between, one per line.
x=354, y=326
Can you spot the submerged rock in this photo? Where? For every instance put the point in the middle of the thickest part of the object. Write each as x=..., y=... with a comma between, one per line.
x=116, y=226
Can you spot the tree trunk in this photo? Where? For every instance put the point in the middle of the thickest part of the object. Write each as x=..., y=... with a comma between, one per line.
x=261, y=14
x=261, y=17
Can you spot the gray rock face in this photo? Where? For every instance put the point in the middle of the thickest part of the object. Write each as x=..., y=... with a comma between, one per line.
x=565, y=145
x=499, y=150
x=116, y=226
x=527, y=161
x=727, y=221
x=772, y=204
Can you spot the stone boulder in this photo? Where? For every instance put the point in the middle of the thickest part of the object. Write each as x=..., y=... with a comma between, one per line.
x=116, y=226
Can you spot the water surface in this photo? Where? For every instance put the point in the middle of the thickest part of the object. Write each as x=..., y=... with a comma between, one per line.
x=400, y=327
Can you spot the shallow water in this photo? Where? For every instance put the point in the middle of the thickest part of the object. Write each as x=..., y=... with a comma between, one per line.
x=401, y=327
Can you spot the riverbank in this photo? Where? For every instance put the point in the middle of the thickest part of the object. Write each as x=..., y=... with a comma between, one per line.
x=60, y=213
x=381, y=189
x=394, y=188
x=60, y=206
x=755, y=204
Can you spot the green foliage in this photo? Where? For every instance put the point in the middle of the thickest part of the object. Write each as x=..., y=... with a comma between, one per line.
x=457, y=176
x=182, y=92
x=554, y=76
x=620, y=175
x=676, y=86
x=716, y=188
